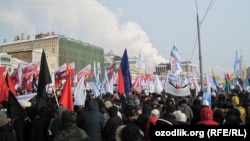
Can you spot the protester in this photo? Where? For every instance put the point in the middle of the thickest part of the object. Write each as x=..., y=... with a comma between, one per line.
x=206, y=115
x=92, y=121
x=129, y=132
x=181, y=118
x=186, y=109
x=40, y=125
x=70, y=131
x=112, y=124
x=168, y=118
x=7, y=132
x=155, y=114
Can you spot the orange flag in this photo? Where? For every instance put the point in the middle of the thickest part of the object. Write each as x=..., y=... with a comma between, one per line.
x=66, y=98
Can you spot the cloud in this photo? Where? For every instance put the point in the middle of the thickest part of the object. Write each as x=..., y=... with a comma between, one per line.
x=86, y=20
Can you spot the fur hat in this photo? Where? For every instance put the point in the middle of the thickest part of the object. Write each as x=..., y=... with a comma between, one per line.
x=155, y=113
x=3, y=119
x=108, y=104
x=25, y=104
x=179, y=116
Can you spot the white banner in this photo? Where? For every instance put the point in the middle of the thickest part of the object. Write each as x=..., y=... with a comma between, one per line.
x=182, y=92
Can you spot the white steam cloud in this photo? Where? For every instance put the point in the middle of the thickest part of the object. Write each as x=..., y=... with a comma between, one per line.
x=86, y=20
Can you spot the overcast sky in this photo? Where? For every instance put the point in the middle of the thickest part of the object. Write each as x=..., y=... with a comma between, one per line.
x=152, y=26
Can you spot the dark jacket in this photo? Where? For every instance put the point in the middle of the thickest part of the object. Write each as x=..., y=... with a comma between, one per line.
x=112, y=124
x=167, y=119
x=7, y=133
x=142, y=119
x=92, y=121
x=40, y=125
x=70, y=131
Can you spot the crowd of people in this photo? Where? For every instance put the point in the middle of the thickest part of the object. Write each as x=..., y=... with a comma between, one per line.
x=114, y=117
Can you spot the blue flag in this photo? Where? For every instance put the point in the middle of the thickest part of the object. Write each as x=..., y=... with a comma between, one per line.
x=125, y=77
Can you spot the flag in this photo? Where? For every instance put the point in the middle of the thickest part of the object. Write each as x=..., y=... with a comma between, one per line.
x=227, y=86
x=207, y=92
x=3, y=86
x=104, y=88
x=245, y=80
x=60, y=73
x=236, y=60
x=140, y=61
x=98, y=68
x=10, y=84
x=175, y=61
x=158, y=85
x=80, y=93
x=124, y=77
x=14, y=109
x=86, y=71
x=66, y=98
x=110, y=72
x=43, y=79
x=215, y=80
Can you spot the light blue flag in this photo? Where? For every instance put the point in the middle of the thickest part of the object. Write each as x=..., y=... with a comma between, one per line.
x=207, y=92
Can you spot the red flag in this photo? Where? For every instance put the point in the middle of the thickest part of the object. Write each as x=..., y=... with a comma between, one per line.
x=4, y=92
x=66, y=98
x=10, y=84
x=120, y=83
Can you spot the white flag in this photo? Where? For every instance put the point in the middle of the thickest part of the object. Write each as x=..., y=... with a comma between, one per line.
x=140, y=61
x=80, y=92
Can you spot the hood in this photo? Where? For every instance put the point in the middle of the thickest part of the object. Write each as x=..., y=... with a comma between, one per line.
x=146, y=109
x=113, y=111
x=93, y=105
x=206, y=113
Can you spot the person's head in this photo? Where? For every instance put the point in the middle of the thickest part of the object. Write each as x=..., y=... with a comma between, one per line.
x=129, y=132
x=4, y=120
x=206, y=113
x=155, y=113
x=171, y=109
x=181, y=117
x=68, y=118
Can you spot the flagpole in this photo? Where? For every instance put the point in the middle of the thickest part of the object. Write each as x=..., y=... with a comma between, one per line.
x=199, y=42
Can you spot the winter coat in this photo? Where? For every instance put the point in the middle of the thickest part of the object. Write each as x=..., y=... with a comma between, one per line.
x=143, y=118
x=167, y=119
x=92, y=121
x=112, y=124
x=184, y=108
x=7, y=133
x=40, y=125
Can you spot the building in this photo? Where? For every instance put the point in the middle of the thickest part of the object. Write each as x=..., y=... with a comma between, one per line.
x=111, y=59
x=188, y=69
x=59, y=50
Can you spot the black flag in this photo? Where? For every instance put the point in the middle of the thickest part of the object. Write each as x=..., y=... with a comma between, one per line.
x=14, y=109
x=43, y=80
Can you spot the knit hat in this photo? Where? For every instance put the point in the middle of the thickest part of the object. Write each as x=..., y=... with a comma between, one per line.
x=179, y=116
x=3, y=119
x=155, y=102
x=155, y=113
x=170, y=108
x=205, y=103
